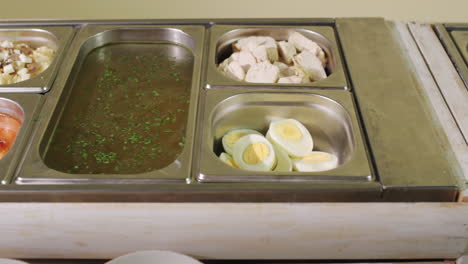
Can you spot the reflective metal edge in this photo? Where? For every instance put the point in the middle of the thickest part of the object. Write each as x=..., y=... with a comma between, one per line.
x=194, y=192
x=215, y=79
x=42, y=82
x=211, y=169
x=201, y=21
x=34, y=171
x=31, y=104
x=461, y=38
x=450, y=42
x=409, y=154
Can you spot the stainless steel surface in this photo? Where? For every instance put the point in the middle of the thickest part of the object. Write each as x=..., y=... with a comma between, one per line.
x=388, y=107
x=461, y=38
x=443, y=88
x=455, y=40
x=30, y=105
x=410, y=152
x=34, y=170
x=328, y=115
x=456, y=93
x=55, y=37
x=93, y=261
x=222, y=36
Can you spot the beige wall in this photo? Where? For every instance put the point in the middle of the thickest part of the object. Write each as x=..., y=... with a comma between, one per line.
x=407, y=10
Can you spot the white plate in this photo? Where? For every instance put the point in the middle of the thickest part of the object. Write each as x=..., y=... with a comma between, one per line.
x=11, y=261
x=153, y=257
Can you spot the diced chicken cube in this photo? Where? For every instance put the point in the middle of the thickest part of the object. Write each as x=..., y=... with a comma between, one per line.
x=6, y=78
x=299, y=71
x=7, y=69
x=263, y=72
x=223, y=65
x=260, y=53
x=250, y=43
x=287, y=51
x=18, y=65
x=284, y=69
x=25, y=59
x=302, y=43
x=43, y=54
x=2, y=81
x=245, y=59
x=235, y=70
x=265, y=53
x=311, y=65
x=25, y=77
x=290, y=79
x=6, y=44
x=23, y=71
x=45, y=51
x=272, y=53
x=267, y=41
x=3, y=55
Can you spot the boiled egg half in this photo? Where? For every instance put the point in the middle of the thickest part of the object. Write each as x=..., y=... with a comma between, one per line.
x=231, y=137
x=291, y=136
x=254, y=152
x=316, y=161
x=226, y=158
x=284, y=163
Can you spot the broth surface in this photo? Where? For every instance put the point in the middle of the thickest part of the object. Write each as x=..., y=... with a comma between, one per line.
x=127, y=111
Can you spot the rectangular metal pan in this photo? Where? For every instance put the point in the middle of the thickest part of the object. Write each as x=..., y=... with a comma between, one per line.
x=55, y=37
x=223, y=36
x=328, y=115
x=26, y=107
x=461, y=39
x=182, y=40
x=455, y=41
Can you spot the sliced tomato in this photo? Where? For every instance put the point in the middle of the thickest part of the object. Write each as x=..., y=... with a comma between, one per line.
x=9, y=128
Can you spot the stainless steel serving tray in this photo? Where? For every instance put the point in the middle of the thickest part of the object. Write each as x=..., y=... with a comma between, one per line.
x=222, y=36
x=328, y=115
x=388, y=139
x=34, y=169
x=55, y=37
x=30, y=105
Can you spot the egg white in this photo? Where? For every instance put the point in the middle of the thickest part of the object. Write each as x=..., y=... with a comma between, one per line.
x=231, y=137
x=254, y=152
x=291, y=136
x=226, y=158
x=315, y=161
x=284, y=163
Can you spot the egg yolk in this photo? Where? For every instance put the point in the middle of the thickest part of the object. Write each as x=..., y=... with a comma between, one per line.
x=255, y=153
x=289, y=131
x=231, y=163
x=232, y=137
x=316, y=158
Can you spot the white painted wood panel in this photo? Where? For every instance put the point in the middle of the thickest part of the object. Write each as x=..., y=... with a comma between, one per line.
x=236, y=231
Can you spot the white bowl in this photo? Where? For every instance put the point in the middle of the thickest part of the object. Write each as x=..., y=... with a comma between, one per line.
x=11, y=261
x=153, y=257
